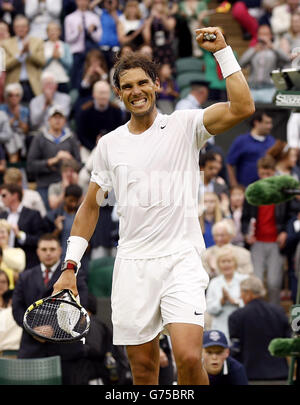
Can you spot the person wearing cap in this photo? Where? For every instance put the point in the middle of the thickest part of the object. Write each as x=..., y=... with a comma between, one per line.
x=197, y=96
x=48, y=149
x=222, y=369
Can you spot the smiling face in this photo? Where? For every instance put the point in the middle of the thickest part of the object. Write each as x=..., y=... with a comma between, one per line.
x=137, y=91
x=227, y=265
x=53, y=31
x=221, y=236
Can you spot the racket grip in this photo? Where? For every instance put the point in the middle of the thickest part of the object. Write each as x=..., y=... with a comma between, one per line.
x=209, y=37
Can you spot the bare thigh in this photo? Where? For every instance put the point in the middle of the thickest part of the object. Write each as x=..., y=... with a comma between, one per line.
x=144, y=362
x=186, y=338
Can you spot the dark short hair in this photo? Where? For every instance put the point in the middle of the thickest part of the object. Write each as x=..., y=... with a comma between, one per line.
x=73, y=190
x=133, y=61
x=48, y=237
x=258, y=116
x=12, y=189
x=206, y=157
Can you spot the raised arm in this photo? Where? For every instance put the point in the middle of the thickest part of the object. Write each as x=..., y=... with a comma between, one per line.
x=83, y=227
x=220, y=117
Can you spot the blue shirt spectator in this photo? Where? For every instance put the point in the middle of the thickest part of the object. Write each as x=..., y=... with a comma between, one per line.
x=248, y=148
x=109, y=26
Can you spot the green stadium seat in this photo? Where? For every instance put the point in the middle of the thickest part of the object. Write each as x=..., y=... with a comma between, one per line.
x=185, y=79
x=100, y=276
x=44, y=371
x=13, y=354
x=189, y=64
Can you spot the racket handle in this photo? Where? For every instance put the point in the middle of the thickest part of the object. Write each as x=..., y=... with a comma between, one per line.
x=209, y=37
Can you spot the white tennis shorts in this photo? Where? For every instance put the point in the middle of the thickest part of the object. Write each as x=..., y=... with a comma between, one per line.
x=149, y=294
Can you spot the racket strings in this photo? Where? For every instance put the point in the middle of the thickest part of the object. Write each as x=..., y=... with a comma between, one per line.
x=57, y=320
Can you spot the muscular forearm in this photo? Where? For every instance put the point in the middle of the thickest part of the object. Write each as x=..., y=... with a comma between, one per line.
x=238, y=94
x=85, y=221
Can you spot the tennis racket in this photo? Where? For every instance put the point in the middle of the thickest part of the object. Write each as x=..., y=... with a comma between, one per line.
x=58, y=318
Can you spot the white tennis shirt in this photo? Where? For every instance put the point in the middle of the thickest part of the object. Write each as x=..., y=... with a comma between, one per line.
x=155, y=176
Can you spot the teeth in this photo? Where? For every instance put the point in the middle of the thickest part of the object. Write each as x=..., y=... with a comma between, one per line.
x=139, y=102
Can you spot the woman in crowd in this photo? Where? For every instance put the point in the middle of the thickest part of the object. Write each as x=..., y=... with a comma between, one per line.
x=211, y=214
x=286, y=159
x=94, y=69
x=130, y=25
x=169, y=90
x=223, y=292
x=159, y=32
x=10, y=332
x=13, y=259
x=223, y=233
x=58, y=57
x=4, y=287
x=18, y=115
x=290, y=42
x=261, y=60
x=237, y=198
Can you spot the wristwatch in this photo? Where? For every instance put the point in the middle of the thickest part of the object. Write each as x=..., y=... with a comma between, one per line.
x=69, y=266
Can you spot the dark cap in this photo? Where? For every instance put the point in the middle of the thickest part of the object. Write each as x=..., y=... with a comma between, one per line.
x=199, y=83
x=214, y=338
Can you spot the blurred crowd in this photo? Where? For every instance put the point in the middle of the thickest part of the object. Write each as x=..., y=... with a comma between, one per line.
x=57, y=100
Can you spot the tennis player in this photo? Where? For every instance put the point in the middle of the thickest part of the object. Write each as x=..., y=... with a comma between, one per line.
x=151, y=162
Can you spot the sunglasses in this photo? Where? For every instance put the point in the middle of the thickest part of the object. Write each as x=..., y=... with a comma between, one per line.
x=14, y=95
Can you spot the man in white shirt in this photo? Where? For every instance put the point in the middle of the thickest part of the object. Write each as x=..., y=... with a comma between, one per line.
x=152, y=164
x=197, y=96
x=39, y=106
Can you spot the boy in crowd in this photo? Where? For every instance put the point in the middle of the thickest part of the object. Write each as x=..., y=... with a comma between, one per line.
x=221, y=368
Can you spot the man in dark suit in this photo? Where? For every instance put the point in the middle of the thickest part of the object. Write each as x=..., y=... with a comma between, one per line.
x=36, y=283
x=27, y=225
x=252, y=328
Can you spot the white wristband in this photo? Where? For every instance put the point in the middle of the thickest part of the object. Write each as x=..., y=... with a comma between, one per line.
x=76, y=246
x=227, y=61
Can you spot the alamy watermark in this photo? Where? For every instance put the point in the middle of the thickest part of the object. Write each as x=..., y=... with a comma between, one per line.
x=161, y=189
